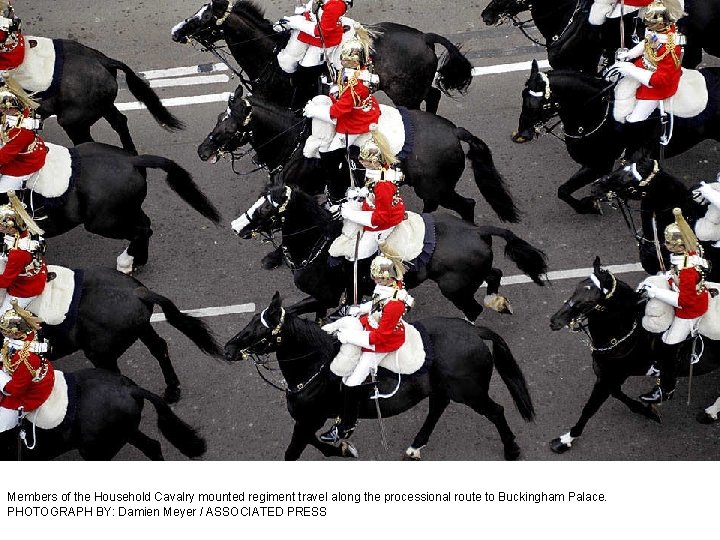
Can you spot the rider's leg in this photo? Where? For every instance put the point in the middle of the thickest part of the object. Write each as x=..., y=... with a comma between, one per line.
x=640, y=130
x=292, y=54
x=12, y=183
x=668, y=361
x=8, y=419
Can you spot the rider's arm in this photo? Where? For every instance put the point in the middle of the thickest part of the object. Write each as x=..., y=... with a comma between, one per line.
x=332, y=11
x=391, y=315
x=20, y=139
x=20, y=382
x=666, y=73
x=688, y=280
x=17, y=260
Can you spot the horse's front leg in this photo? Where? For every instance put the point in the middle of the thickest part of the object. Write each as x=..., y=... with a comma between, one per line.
x=586, y=205
x=600, y=392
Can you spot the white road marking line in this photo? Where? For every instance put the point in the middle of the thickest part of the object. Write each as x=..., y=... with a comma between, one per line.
x=182, y=71
x=210, y=311
x=507, y=68
x=509, y=280
x=189, y=81
x=177, y=102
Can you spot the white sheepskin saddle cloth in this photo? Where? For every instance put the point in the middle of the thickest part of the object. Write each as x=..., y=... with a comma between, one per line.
x=53, y=179
x=53, y=305
x=36, y=72
x=406, y=240
x=690, y=99
x=390, y=124
x=406, y=360
x=707, y=228
x=659, y=315
x=50, y=414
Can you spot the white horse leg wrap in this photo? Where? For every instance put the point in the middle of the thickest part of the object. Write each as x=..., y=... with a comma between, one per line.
x=125, y=262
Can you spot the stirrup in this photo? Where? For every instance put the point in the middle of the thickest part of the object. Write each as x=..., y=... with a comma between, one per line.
x=656, y=395
x=336, y=434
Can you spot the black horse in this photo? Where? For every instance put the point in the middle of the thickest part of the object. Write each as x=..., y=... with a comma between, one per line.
x=593, y=138
x=106, y=414
x=611, y=313
x=460, y=263
x=433, y=168
x=460, y=371
x=86, y=91
x=404, y=58
x=106, y=193
x=111, y=311
x=658, y=192
x=573, y=43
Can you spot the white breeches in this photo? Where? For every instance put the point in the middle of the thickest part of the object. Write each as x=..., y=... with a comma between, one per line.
x=643, y=109
x=8, y=419
x=357, y=139
x=368, y=363
x=679, y=330
x=370, y=243
x=13, y=183
x=298, y=53
x=22, y=302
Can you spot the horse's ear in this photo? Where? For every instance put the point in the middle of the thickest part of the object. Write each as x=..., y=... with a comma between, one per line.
x=596, y=266
x=276, y=301
x=238, y=92
x=534, y=68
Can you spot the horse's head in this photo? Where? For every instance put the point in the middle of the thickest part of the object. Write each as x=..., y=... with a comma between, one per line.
x=498, y=11
x=204, y=25
x=231, y=131
x=261, y=336
x=537, y=107
x=264, y=215
x=630, y=181
x=589, y=294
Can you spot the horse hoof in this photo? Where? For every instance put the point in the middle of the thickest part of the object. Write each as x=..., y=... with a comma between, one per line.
x=512, y=452
x=654, y=415
x=347, y=449
x=172, y=394
x=559, y=447
x=519, y=139
x=411, y=454
x=589, y=206
x=704, y=418
x=498, y=303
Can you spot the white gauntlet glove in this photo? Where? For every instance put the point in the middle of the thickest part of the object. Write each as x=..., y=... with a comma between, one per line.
x=707, y=192
x=630, y=70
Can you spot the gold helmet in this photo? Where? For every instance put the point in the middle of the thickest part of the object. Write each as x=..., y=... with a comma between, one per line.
x=680, y=234
x=383, y=267
x=14, y=216
x=18, y=322
x=661, y=13
x=353, y=54
x=376, y=151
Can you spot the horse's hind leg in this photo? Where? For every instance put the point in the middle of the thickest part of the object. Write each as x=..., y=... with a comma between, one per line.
x=136, y=254
x=492, y=299
x=159, y=349
x=150, y=447
x=78, y=133
x=118, y=121
x=437, y=405
x=432, y=100
x=496, y=414
x=462, y=205
x=462, y=297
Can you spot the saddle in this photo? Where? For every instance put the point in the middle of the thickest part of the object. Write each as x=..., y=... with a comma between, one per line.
x=689, y=101
x=37, y=71
x=53, y=180
x=406, y=360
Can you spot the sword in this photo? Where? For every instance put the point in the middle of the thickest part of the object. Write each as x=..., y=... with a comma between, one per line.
x=375, y=398
x=328, y=64
x=656, y=240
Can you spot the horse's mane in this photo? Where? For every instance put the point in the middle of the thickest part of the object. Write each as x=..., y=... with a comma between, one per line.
x=591, y=81
x=251, y=10
x=283, y=117
x=309, y=333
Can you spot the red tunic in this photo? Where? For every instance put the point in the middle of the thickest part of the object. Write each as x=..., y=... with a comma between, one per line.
x=691, y=303
x=389, y=210
x=390, y=333
x=665, y=80
x=355, y=109
x=638, y=3
x=15, y=278
x=330, y=25
x=10, y=59
x=21, y=391
x=24, y=152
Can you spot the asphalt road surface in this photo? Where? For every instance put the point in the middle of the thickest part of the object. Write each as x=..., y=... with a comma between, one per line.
x=198, y=265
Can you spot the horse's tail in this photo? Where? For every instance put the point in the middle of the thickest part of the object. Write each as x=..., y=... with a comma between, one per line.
x=455, y=72
x=510, y=373
x=181, y=182
x=489, y=181
x=181, y=435
x=147, y=96
x=530, y=260
x=195, y=329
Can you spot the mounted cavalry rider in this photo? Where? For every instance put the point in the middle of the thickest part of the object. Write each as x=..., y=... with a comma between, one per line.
x=25, y=272
x=26, y=377
x=383, y=333
x=657, y=63
x=687, y=294
x=22, y=150
x=352, y=108
x=317, y=32
x=382, y=206
x=12, y=42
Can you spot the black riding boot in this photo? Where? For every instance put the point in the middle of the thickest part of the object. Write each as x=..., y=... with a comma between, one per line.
x=669, y=364
x=306, y=83
x=335, y=168
x=345, y=426
x=641, y=136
